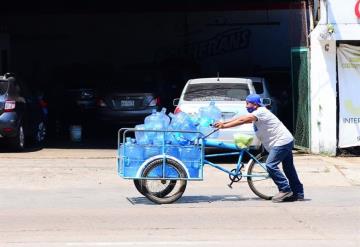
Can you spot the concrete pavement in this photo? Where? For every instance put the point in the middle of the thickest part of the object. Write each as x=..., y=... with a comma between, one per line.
x=73, y=197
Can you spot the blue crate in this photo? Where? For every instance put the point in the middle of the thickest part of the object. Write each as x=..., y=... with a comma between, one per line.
x=192, y=159
x=131, y=156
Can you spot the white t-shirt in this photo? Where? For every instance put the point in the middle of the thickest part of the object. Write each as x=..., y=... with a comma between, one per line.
x=270, y=130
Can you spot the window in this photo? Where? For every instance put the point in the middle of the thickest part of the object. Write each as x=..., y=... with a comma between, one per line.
x=216, y=92
x=258, y=87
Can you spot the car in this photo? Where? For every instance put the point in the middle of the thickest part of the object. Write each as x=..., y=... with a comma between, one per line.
x=127, y=106
x=69, y=105
x=229, y=95
x=82, y=98
x=22, y=116
x=80, y=106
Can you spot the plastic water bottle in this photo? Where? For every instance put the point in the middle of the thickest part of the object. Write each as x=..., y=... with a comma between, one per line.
x=148, y=123
x=134, y=154
x=157, y=121
x=170, y=137
x=172, y=150
x=208, y=115
x=181, y=121
x=148, y=119
x=151, y=150
x=121, y=160
x=165, y=118
x=215, y=112
x=141, y=136
x=191, y=156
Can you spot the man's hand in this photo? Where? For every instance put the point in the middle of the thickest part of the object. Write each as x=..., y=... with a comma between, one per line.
x=219, y=125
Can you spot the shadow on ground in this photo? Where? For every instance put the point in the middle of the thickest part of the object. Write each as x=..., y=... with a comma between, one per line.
x=195, y=199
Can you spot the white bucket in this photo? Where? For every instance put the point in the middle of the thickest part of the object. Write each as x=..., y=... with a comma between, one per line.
x=75, y=133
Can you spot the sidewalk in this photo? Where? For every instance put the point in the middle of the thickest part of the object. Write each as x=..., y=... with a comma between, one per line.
x=314, y=170
x=326, y=171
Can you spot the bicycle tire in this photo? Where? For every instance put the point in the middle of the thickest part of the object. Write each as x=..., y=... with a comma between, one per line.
x=138, y=186
x=165, y=192
x=262, y=185
x=159, y=197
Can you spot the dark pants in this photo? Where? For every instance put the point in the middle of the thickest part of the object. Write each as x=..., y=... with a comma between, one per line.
x=291, y=182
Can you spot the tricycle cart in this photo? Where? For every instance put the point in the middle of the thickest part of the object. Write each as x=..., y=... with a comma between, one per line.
x=160, y=171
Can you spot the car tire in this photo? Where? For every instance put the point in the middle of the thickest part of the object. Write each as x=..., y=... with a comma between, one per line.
x=17, y=143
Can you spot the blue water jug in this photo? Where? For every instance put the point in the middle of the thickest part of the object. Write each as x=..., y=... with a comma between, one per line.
x=165, y=118
x=191, y=156
x=172, y=150
x=134, y=156
x=148, y=124
x=120, y=168
x=170, y=137
x=207, y=130
x=214, y=111
x=159, y=136
x=156, y=121
x=183, y=122
x=141, y=136
x=162, y=123
x=207, y=116
x=151, y=150
x=150, y=118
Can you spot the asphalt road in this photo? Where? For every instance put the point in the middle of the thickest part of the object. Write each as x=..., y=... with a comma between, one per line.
x=73, y=197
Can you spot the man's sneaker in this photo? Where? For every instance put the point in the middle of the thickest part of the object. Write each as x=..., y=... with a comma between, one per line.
x=281, y=196
x=294, y=198
x=300, y=198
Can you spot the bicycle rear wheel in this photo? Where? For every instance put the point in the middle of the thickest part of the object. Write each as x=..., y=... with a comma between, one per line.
x=157, y=188
x=259, y=179
x=138, y=186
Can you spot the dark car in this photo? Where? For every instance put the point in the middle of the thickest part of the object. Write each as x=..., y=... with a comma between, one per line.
x=22, y=117
x=81, y=98
x=126, y=105
x=80, y=105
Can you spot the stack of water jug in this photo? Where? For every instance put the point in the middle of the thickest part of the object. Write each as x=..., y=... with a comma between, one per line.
x=177, y=144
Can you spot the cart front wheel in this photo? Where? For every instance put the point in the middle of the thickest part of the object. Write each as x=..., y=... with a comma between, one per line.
x=166, y=181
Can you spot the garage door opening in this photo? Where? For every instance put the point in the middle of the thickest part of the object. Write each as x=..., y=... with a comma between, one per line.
x=70, y=52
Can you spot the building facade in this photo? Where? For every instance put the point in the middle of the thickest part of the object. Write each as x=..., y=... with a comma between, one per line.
x=335, y=77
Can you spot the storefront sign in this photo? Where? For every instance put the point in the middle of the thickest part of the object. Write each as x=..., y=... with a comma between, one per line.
x=343, y=11
x=349, y=100
x=357, y=10
x=221, y=43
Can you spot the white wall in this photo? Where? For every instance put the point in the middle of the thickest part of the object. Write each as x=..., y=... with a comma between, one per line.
x=323, y=97
x=341, y=14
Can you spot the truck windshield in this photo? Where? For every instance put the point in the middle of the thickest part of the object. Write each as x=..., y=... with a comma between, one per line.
x=216, y=92
x=4, y=85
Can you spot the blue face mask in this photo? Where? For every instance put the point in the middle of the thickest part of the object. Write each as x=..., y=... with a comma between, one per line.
x=250, y=109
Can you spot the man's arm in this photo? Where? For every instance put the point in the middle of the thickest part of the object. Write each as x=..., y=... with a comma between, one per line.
x=249, y=118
